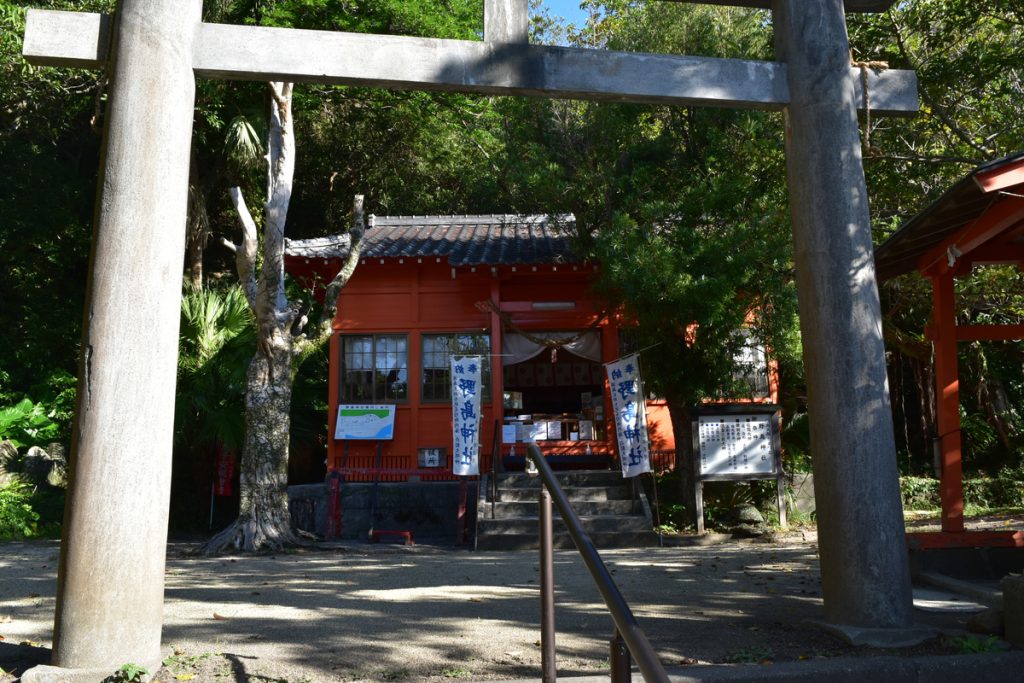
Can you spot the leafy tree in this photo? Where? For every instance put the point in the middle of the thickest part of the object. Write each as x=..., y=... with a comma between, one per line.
x=49, y=143
x=968, y=57
x=685, y=210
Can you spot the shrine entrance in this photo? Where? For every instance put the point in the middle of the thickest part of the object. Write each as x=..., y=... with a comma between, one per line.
x=112, y=560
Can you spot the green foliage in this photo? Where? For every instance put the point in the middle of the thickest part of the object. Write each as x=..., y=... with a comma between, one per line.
x=972, y=645
x=981, y=494
x=27, y=424
x=684, y=209
x=130, y=673
x=47, y=188
x=967, y=56
x=796, y=443
x=17, y=518
x=670, y=509
x=919, y=493
x=217, y=341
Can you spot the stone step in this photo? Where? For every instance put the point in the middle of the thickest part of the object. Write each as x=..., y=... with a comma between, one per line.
x=521, y=508
x=562, y=541
x=574, y=478
x=574, y=494
x=591, y=524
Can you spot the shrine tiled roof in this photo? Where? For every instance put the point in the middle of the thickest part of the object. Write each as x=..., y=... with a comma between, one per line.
x=461, y=240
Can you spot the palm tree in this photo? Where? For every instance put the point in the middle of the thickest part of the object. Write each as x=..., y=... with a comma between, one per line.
x=217, y=335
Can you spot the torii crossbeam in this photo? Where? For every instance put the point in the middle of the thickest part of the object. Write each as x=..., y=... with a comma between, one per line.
x=495, y=68
x=110, y=586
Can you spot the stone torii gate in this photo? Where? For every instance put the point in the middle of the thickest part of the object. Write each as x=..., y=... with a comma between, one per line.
x=110, y=585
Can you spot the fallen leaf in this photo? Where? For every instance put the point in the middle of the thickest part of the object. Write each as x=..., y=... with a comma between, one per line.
x=185, y=677
x=218, y=617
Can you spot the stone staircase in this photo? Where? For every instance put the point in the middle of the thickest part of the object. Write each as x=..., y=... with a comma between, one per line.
x=611, y=513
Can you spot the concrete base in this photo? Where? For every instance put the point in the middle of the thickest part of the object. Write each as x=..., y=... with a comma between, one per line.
x=55, y=674
x=427, y=509
x=879, y=637
x=1013, y=609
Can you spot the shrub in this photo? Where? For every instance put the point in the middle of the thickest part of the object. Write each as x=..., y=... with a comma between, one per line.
x=27, y=424
x=17, y=518
x=919, y=493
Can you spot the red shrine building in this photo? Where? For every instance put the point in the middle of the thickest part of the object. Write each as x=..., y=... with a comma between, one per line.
x=503, y=287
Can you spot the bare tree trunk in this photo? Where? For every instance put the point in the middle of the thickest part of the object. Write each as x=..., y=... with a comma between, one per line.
x=264, y=521
x=198, y=233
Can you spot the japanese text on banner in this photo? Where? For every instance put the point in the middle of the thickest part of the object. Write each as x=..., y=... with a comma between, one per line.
x=466, y=415
x=630, y=417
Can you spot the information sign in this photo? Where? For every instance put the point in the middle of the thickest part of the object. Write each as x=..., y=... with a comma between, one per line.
x=736, y=445
x=365, y=422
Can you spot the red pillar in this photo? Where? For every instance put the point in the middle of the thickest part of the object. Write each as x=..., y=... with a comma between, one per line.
x=497, y=368
x=333, y=398
x=947, y=399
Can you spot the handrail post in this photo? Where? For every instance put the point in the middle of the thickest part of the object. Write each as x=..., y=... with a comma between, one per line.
x=619, y=659
x=625, y=623
x=547, y=590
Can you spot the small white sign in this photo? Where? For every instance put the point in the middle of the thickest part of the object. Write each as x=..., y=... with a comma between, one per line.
x=508, y=433
x=365, y=422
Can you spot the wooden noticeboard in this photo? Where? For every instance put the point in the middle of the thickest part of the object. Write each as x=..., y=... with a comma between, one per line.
x=737, y=442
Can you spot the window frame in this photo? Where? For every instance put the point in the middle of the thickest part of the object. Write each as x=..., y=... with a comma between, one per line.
x=344, y=397
x=486, y=371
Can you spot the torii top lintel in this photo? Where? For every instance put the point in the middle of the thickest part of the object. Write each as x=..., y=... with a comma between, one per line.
x=850, y=5
x=488, y=67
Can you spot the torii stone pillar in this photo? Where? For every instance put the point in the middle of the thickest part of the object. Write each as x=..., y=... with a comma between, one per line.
x=864, y=567
x=110, y=604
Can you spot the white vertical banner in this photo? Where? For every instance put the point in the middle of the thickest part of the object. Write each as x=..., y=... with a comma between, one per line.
x=630, y=416
x=466, y=415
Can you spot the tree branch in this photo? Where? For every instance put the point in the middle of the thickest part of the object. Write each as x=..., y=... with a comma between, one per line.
x=355, y=250
x=937, y=109
x=245, y=253
x=280, y=172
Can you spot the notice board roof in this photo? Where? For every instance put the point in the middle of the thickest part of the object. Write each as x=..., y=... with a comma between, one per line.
x=946, y=222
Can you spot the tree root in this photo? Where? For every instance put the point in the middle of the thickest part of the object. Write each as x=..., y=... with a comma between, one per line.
x=250, y=535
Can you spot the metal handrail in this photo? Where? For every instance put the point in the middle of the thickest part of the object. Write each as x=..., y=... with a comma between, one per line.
x=625, y=623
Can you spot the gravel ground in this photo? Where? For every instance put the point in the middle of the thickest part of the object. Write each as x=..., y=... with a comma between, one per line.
x=427, y=613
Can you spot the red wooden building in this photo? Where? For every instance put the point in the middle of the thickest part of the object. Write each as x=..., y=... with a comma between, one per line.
x=977, y=222
x=504, y=287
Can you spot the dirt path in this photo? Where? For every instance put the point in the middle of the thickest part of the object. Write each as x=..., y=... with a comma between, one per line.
x=386, y=613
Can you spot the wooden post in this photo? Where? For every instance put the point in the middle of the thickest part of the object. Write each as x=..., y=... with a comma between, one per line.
x=947, y=399
x=864, y=568
x=111, y=579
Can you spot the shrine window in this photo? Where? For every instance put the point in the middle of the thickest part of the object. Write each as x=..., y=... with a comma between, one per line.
x=438, y=349
x=374, y=368
x=752, y=365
